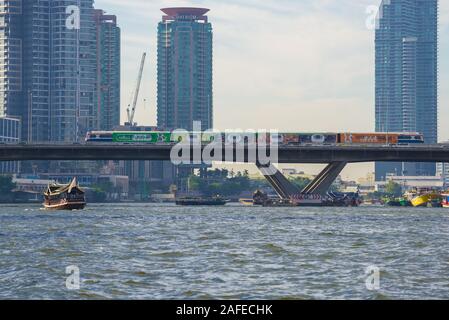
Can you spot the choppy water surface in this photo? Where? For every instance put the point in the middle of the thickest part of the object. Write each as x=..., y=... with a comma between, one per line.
x=132, y=251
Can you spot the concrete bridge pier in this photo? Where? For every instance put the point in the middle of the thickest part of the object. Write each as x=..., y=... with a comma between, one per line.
x=322, y=183
x=283, y=187
x=287, y=190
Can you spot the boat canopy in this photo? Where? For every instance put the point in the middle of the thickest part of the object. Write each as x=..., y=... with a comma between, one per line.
x=55, y=189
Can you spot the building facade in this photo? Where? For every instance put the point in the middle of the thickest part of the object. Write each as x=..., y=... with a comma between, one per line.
x=184, y=78
x=108, y=70
x=10, y=130
x=59, y=72
x=10, y=57
x=407, y=76
x=443, y=172
x=184, y=81
x=49, y=66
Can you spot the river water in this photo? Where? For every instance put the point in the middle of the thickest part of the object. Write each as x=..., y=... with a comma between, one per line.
x=141, y=251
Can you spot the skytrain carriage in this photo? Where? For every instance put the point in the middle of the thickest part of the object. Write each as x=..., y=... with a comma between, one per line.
x=166, y=137
x=303, y=138
x=412, y=138
x=99, y=136
x=381, y=138
x=318, y=138
x=368, y=138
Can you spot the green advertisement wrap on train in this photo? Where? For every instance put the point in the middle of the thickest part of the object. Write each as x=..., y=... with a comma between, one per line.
x=141, y=137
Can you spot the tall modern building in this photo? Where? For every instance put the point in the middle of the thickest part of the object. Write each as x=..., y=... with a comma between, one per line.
x=184, y=77
x=10, y=57
x=407, y=76
x=48, y=60
x=108, y=70
x=184, y=82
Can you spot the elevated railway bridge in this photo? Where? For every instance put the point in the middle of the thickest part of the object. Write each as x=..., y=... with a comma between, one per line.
x=335, y=156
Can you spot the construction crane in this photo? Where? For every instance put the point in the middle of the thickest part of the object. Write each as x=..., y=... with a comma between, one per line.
x=131, y=110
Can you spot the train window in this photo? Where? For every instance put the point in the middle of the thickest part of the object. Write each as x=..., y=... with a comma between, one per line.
x=277, y=138
x=318, y=138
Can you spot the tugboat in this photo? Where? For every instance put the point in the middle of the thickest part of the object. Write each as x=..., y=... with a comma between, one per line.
x=200, y=201
x=64, y=197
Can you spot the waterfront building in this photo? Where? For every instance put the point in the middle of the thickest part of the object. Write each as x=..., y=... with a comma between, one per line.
x=108, y=70
x=407, y=76
x=443, y=172
x=411, y=182
x=184, y=76
x=59, y=72
x=10, y=129
x=49, y=68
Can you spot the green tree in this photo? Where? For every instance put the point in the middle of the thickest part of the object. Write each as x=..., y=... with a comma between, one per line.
x=300, y=182
x=106, y=186
x=220, y=182
x=393, y=189
x=195, y=183
x=6, y=184
x=96, y=195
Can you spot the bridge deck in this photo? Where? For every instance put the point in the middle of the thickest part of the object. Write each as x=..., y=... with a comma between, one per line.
x=286, y=154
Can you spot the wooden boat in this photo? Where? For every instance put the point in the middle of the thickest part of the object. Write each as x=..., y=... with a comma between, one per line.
x=64, y=197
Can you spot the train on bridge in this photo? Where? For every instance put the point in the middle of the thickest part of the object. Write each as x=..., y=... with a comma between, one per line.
x=294, y=139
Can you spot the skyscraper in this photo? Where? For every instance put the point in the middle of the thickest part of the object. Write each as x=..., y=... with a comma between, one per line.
x=184, y=85
x=108, y=70
x=184, y=78
x=49, y=59
x=10, y=57
x=407, y=76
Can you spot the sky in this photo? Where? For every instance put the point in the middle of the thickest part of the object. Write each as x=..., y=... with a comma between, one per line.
x=289, y=65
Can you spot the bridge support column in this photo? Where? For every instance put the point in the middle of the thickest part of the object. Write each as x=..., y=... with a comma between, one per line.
x=322, y=183
x=283, y=187
x=286, y=190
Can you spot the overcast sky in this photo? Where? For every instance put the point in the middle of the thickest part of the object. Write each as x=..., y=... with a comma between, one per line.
x=302, y=65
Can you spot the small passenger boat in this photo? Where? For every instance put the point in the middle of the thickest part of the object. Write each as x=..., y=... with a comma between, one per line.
x=64, y=197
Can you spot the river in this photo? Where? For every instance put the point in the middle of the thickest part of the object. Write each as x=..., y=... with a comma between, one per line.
x=148, y=251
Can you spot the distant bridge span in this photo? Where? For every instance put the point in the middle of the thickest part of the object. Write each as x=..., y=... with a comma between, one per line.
x=287, y=154
x=337, y=157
